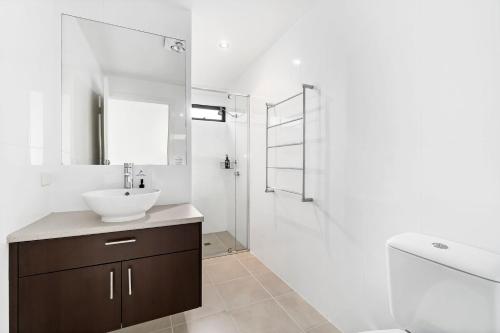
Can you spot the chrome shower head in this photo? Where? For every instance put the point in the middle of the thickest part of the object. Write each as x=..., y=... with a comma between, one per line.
x=234, y=115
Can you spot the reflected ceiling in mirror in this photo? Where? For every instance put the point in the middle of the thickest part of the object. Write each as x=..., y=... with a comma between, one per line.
x=123, y=95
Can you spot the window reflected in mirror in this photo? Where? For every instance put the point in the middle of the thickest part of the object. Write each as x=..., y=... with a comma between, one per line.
x=150, y=119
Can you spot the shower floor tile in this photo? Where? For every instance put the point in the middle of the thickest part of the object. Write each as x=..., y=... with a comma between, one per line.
x=218, y=243
x=212, y=246
x=228, y=240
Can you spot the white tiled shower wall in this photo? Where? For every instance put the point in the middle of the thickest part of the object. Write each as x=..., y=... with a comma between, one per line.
x=30, y=85
x=216, y=192
x=213, y=187
x=408, y=140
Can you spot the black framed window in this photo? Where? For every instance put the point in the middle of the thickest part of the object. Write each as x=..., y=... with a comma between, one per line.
x=208, y=112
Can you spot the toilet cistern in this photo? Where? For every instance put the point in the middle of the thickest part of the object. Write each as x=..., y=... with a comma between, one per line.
x=128, y=175
x=440, y=286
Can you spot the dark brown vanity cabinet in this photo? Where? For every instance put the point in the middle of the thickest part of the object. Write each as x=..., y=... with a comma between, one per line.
x=160, y=285
x=101, y=282
x=77, y=300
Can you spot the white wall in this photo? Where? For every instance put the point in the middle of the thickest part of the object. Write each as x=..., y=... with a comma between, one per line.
x=408, y=140
x=173, y=94
x=213, y=187
x=27, y=70
x=30, y=65
x=70, y=181
x=148, y=120
x=213, y=190
x=81, y=85
x=217, y=193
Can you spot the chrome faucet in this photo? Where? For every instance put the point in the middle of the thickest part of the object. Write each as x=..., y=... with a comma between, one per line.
x=128, y=175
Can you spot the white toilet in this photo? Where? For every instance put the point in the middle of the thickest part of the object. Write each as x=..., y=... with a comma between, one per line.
x=439, y=286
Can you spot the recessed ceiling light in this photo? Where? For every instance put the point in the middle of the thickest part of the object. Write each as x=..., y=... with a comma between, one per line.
x=296, y=62
x=224, y=44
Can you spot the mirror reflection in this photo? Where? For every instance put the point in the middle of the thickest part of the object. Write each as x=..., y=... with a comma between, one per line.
x=123, y=95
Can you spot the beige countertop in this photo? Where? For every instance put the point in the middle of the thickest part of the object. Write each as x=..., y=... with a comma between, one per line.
x=69, y=224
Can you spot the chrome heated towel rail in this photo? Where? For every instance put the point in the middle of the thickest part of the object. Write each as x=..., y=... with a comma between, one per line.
x=302, y=143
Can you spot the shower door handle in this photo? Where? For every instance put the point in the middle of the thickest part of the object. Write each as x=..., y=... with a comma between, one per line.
x=236, y=173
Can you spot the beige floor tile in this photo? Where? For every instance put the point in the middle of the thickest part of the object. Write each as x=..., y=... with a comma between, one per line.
x=227, y=286
x=212, y=304
x=205, y=277
x=303, y=313
x=160, y=324
x=241, y=292
x=218, y=260
x=264, y=317
x=325, y=328
x=219, y=323
x=166, y=330
x=245, y=254
x=254, y=265
x=273, y=284
x=225, y=271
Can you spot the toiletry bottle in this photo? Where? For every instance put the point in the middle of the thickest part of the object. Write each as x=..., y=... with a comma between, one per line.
x=227, y=163
x=141, y=175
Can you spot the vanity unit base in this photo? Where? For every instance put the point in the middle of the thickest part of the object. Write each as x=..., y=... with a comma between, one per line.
x=102, y=282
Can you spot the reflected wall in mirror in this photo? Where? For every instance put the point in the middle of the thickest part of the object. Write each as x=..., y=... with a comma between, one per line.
x=123, y=95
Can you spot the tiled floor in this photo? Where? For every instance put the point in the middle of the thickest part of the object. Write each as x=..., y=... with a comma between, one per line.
x=218, y=243
x=241, y=295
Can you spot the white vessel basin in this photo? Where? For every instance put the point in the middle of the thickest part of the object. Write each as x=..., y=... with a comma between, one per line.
x=121, y=205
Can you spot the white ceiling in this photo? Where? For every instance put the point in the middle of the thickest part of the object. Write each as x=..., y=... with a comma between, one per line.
x=251, y=27
x=132, y=53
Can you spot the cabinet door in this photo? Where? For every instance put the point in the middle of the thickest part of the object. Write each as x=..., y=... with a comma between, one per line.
x=79, y=300
x=159, y=286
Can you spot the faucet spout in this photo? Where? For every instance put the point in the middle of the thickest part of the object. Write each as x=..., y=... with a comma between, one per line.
x=128, y=175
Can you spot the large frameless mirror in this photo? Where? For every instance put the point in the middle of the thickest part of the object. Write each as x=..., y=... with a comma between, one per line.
x=123, y=95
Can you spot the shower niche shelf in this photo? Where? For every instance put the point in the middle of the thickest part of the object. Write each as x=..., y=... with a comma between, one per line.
x=232, y=165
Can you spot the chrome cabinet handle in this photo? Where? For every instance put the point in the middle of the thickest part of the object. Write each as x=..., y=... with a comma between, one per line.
x=130, y=281
x=111, y=284
x=122, y=241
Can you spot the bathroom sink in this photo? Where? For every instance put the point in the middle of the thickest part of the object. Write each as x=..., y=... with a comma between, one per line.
x=121, y=205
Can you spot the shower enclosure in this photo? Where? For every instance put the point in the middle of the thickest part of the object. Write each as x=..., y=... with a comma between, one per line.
x=219, y=127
